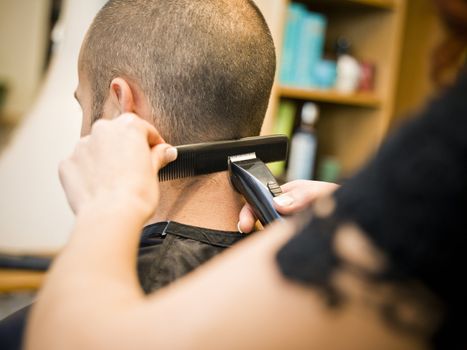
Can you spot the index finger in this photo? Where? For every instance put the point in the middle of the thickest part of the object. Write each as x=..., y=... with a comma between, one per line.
x=152, y=135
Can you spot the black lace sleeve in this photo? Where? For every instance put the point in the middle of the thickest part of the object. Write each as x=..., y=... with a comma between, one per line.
x=411, y=202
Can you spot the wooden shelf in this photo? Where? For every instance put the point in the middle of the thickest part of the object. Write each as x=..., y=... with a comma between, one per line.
x=18, y=280
x=329, y=96
x=389, y=4
x=383, y=4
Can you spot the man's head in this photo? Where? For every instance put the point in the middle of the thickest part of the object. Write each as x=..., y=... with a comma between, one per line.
x=204, y=67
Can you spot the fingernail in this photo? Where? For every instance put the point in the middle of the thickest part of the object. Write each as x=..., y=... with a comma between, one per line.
x=128, y=118
x=284, y=200
x=171, y=154
x=238, y=227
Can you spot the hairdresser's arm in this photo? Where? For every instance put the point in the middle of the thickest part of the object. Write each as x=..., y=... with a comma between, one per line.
x=110, y=183
x=297, y=195
x=239, y=300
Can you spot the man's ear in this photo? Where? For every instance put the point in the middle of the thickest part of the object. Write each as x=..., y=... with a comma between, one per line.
x=121, y=96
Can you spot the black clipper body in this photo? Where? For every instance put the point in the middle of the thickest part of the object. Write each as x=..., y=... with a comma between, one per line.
x=253, y=179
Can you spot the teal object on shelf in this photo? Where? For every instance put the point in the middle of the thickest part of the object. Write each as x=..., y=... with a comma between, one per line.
x=303, y=46
x=295, y=14
x=310, y=48
x=325, y=74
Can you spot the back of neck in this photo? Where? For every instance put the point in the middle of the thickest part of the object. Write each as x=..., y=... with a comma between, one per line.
x=206, y=201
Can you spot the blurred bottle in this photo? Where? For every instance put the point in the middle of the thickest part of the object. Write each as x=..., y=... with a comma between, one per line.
x=304, y=145
x=348, y=68
x=367, y=76
x=342, y=46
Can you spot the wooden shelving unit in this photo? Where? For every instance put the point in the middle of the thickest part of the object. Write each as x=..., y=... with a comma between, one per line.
x=362, y=99
x=351, y=127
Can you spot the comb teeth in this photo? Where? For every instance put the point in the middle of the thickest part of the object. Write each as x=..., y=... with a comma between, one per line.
x=183, y=167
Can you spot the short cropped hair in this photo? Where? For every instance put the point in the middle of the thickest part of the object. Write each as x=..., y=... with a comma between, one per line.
x=206, y=66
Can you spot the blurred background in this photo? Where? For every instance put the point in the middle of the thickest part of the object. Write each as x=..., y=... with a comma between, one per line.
x=349, y=72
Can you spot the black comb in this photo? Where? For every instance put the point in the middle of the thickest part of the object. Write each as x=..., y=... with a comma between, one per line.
x=211, y=157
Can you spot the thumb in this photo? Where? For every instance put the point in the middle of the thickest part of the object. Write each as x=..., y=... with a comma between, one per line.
x=300, y=194
x=161, y=155
x=288, y=203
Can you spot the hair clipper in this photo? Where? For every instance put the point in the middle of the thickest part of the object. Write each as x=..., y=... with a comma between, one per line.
x=245, y=159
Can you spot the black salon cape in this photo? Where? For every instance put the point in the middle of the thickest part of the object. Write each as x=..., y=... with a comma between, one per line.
x=167, y=251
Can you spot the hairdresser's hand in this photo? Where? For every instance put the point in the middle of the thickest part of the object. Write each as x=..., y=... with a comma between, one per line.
x=296, y=196
x=117, y=164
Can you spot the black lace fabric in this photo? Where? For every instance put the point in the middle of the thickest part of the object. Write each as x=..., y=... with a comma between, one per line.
x=411, y=203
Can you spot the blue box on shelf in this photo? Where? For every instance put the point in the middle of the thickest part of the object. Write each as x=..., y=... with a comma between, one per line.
x=295, y=15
